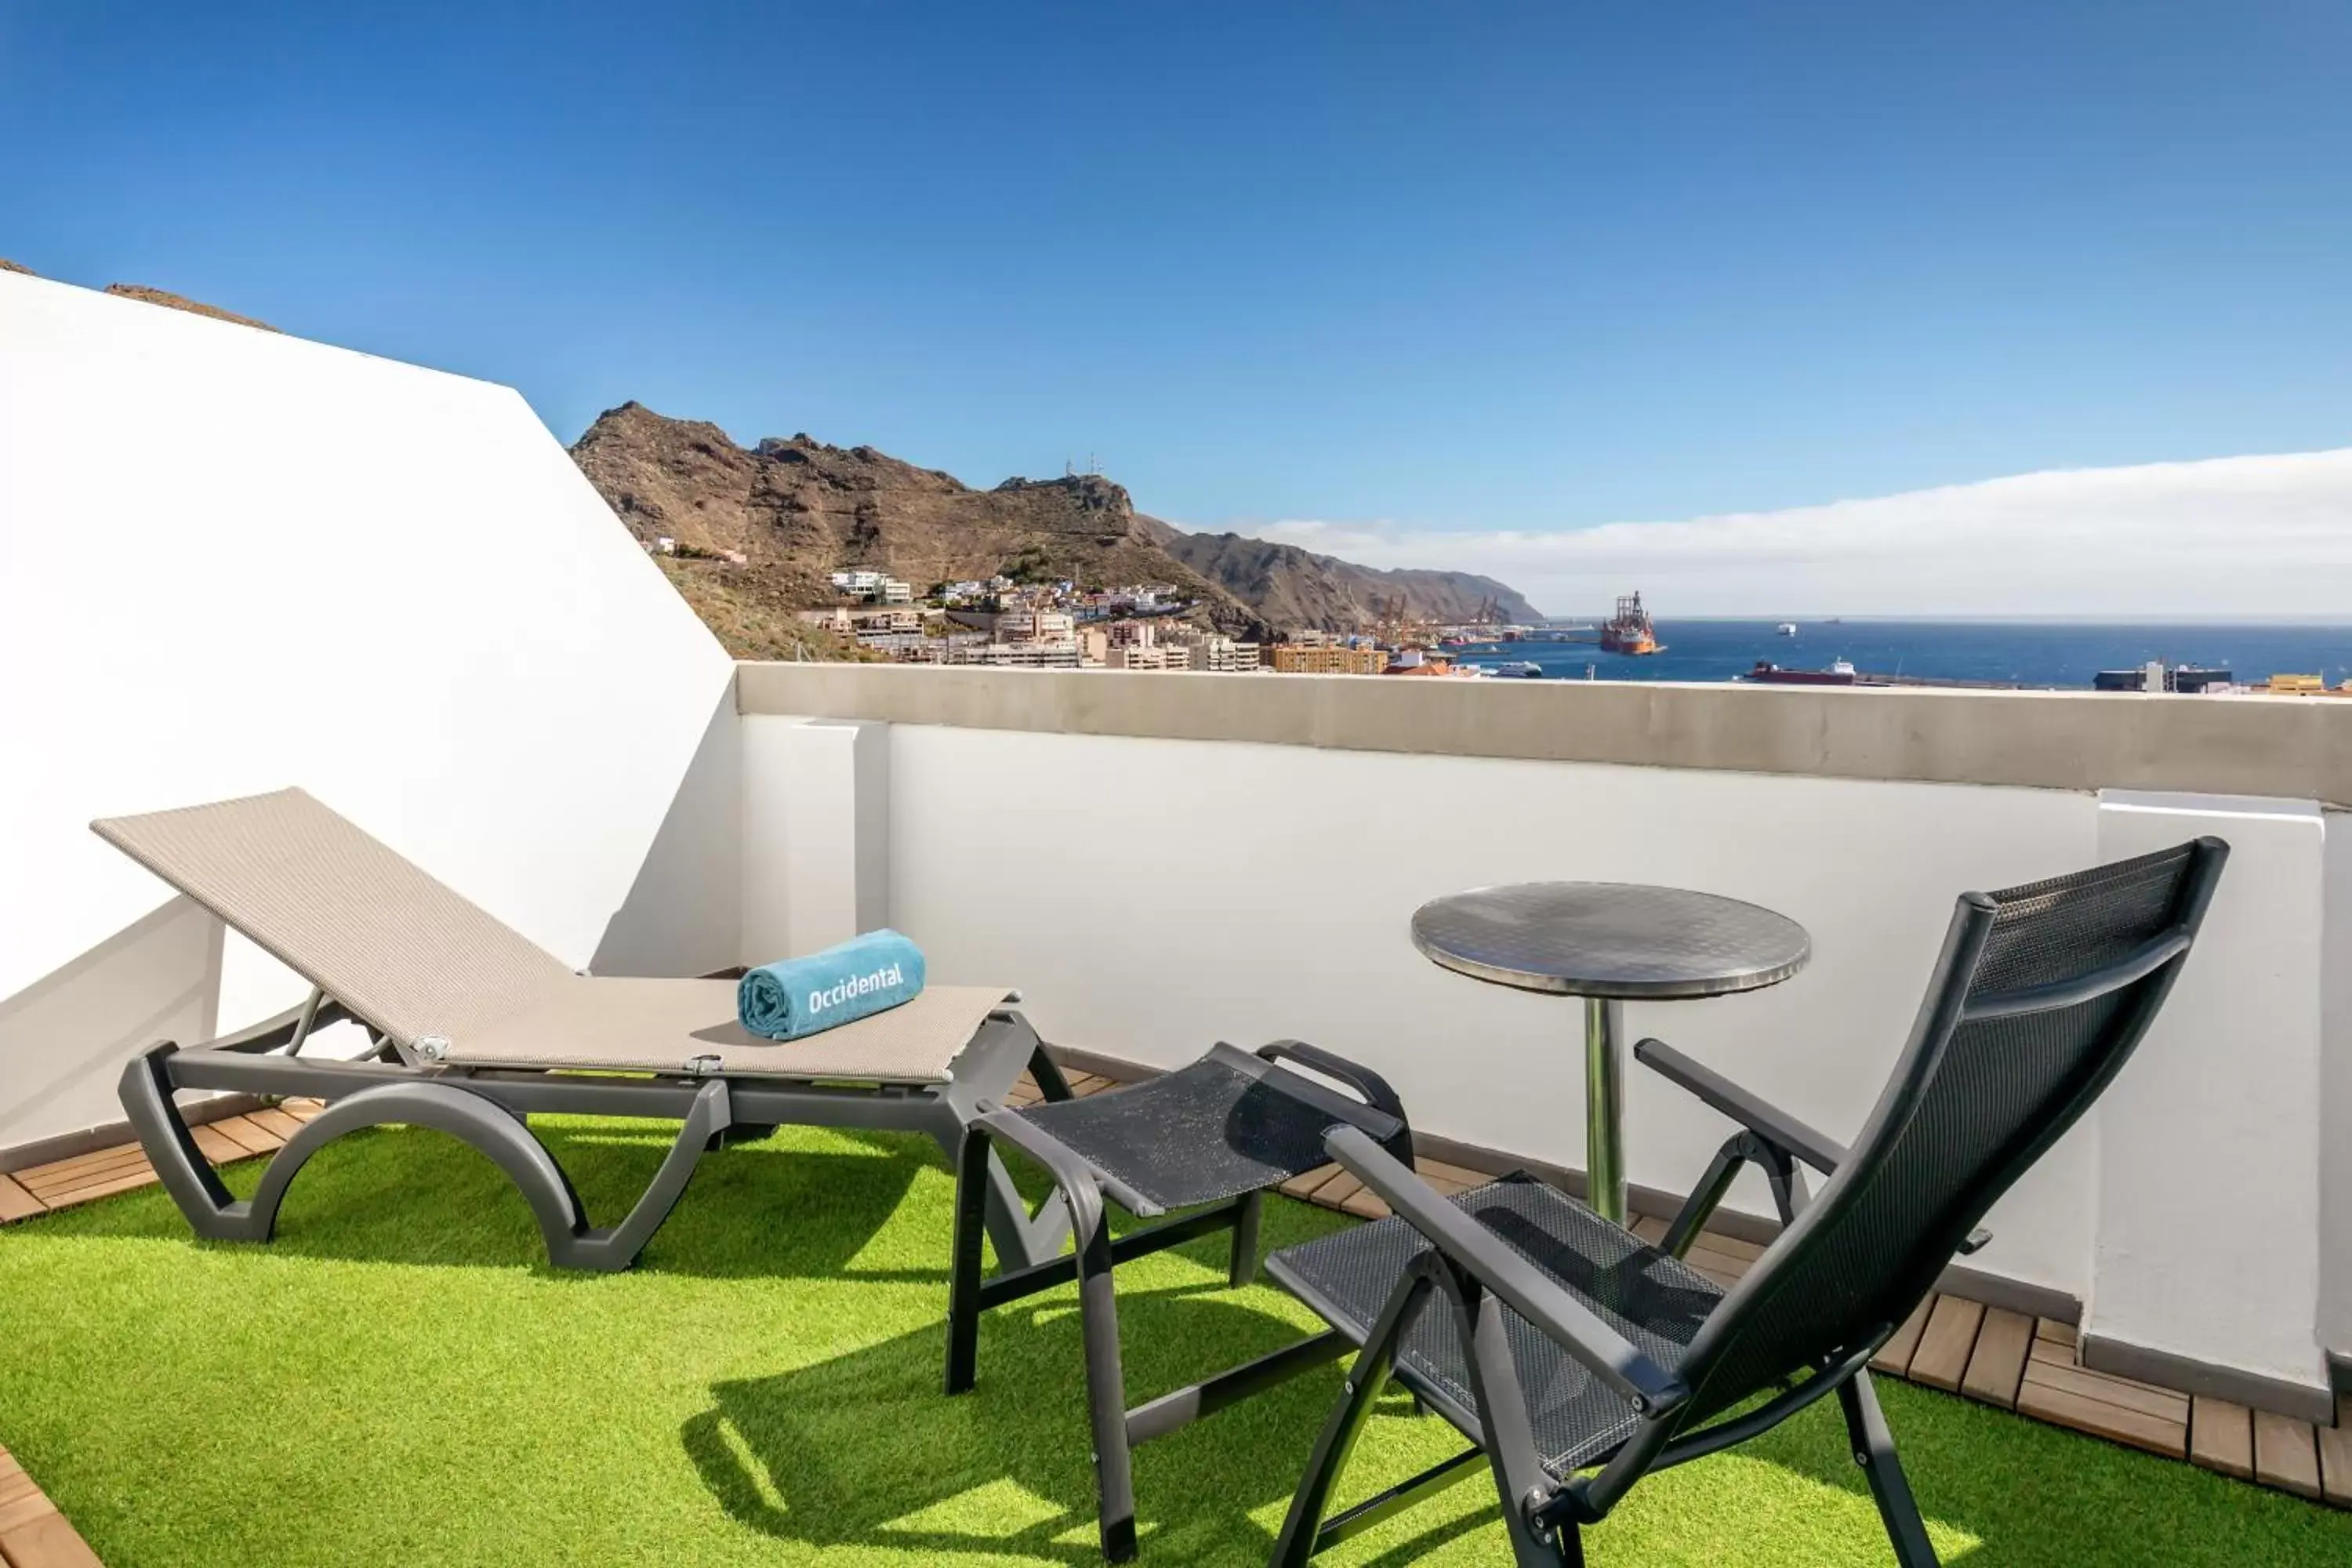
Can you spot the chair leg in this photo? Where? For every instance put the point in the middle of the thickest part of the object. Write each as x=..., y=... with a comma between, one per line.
x=1302, y=1528
x=1243, y=1266
x=1106, y=1393
x=1873, y=1451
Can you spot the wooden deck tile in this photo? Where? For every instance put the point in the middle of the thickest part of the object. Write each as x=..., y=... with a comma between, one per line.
x=1342, y=1186
x=1942, y=1358
x=272, y=1121
x=2056, y=1332
x=1086, y=1083
x=1894, y=1358
x=217, y=1146
x=1997, y=1365
x=1650, y=1229
x=2222, y=1436
x=1300, y=1185
x=1448, y=1178
x=79, y=1181
x=302, y=1110
x=16, y=1203
x=2335, y=1455
x=2057, y=1391
x=250, y=1135
x=2287, y=1454
x=67, y=1171
x=47, y=1542
x=1365, y=1203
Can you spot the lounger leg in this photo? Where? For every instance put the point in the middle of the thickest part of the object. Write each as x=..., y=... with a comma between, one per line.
x=1105, y=1389
x=146, y=1094
x=972, y=1194
x=1302, y=1528
x=1241, y=1267
x=1873, y=1451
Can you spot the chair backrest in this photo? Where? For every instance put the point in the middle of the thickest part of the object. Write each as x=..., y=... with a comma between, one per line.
x=397, y=949
x=2038, y=997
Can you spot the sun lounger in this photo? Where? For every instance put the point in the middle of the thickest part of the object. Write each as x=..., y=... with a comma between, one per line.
x=473, y=1028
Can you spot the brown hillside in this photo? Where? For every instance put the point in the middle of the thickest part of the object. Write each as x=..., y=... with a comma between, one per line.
x=800, y=509
x=175, y=302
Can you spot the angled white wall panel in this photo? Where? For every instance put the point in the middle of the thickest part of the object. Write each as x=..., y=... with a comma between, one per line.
x=232, y=561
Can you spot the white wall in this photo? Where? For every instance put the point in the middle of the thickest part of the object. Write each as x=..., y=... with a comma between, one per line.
x=1150, y=897
x=2209, y=1141
x=236, y=561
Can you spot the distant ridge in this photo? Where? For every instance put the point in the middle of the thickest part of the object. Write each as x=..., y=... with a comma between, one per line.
x=798, y=509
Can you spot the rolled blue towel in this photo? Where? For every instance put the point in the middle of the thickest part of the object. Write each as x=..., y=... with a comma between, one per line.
x=851, y=980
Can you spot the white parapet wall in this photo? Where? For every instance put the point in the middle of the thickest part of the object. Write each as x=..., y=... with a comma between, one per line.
x=238, y=561
x=1151, y=894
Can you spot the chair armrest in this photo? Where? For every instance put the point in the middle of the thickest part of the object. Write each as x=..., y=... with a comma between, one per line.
x=1784, y=1131
x=1371, y=1086
x=1569, y=1322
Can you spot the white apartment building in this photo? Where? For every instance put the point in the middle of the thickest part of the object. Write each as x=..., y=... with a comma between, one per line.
x=1173, y=658
x=1022, y=655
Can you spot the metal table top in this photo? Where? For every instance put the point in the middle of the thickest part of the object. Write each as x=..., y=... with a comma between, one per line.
x=1621, y=939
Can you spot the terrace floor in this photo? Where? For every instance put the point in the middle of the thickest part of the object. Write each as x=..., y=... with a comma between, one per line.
x=399, y=1377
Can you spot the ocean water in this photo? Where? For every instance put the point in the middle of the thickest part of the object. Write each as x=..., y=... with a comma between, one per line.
x=2029, y=652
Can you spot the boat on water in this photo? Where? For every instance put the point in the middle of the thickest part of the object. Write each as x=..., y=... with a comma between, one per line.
x=1517, y=669
x=1629, y=630
x=1842, y=672
x=1786, y=630
x=2182, y=678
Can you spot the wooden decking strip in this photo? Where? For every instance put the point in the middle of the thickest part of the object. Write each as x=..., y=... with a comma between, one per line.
x=33, y=1533
x=1986, y=1353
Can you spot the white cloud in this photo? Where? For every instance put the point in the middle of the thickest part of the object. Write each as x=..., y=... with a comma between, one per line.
x=2259, y=536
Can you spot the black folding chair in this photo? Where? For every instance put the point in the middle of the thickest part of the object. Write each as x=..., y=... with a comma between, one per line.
x=1558, y=1341
x=1210, y=1138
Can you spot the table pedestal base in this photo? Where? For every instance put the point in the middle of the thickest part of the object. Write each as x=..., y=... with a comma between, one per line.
x=1605, y=1107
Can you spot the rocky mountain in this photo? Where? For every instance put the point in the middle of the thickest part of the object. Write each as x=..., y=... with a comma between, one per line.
x=172, y=301
x=1295, y=587
x=798, y=509
x=164, y=298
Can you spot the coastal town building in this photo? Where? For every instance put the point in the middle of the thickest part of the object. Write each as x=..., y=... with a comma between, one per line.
x=1305, y=659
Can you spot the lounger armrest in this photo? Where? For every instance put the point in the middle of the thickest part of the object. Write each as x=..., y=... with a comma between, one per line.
x=1573, y=1326
x=1369, y=1086
x=1784, y=1131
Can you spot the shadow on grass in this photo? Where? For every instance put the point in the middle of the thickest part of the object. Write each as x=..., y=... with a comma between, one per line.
x=866, y=1451
x=776, y=1207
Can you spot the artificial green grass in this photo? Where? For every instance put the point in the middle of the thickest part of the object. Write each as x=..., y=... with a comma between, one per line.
x=400, y=1379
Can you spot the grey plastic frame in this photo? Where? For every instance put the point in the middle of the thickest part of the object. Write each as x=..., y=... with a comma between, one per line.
x=1545, y=1517
x=487, y=1109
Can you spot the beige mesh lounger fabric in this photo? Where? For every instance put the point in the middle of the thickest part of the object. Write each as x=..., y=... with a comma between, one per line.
x=488, y=1029
x=409, y=955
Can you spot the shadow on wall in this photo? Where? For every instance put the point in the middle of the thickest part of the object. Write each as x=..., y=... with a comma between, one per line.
x=683, y=915
x=64, y=1038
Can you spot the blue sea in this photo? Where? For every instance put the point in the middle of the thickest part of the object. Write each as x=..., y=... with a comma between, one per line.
x=2028, y=653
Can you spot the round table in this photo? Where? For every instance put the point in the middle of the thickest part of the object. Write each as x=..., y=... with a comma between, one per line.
x=1610, y=943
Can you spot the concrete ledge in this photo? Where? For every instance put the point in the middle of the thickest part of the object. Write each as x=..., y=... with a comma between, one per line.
x=2291, y=748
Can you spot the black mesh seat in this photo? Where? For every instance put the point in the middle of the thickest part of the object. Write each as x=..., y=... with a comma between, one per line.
x=1203, y=1133
x=1652, y=1298
x=1210, y=1138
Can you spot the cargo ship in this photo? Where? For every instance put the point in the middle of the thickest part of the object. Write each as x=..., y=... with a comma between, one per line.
x=1842, y=672
x=1629, y=630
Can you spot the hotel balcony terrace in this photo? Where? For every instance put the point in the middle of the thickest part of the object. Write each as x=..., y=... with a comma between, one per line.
x=241, y=562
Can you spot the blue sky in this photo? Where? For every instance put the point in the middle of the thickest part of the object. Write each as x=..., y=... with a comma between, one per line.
x=1426, y=268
